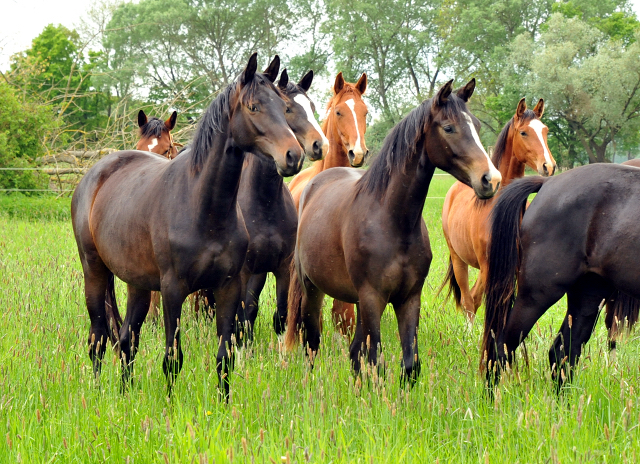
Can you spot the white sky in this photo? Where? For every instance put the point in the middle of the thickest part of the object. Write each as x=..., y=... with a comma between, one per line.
x=25, y=19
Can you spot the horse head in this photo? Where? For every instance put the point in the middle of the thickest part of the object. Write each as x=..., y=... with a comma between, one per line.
x=453, y=143
x=155, y=135
x=257, y=118
x=300, y=115
x=530, y=139
x=349, y=115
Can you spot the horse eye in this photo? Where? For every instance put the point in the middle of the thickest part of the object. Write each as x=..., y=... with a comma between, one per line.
x=338, y=113
x=448, y=129
x=253, y=108
x=523, y=133
x=289, y=110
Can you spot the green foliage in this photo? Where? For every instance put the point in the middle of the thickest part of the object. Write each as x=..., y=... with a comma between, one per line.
x=24, y=127
x=35, y=208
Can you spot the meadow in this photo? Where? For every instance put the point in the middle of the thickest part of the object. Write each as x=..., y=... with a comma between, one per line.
x=53, y=410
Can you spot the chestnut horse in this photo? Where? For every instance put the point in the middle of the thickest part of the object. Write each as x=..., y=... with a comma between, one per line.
x=522, y=142
x=578, y=237
x=344, y=126
x=175, y=226
x=361, y=235
x=155, y=135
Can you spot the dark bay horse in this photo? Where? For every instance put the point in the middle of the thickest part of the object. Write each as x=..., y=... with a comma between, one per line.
x=175, y=226
x=268, y=209
x=345, y=125
x=155, y=135
x=361, y=235
x=465, y=219
x=578, y=237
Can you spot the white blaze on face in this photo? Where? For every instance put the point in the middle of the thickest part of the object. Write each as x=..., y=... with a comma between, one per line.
x=306, y=104
x=153, y=144
x=351, y=104
x=537, y=127
x=476, y=138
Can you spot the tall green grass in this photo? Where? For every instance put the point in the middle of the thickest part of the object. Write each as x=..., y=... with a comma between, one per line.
x=52, y=410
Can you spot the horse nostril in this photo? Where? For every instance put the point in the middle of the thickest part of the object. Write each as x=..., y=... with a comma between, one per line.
x=291, y=159
x=317, y=148
x=486, y=181
x=351, y=154
x=545, y=169
x=366, y=153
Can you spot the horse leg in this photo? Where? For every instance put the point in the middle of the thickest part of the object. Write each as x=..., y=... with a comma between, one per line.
x=241, y=320
x=311, y=309
x=283, y=279
x=228, y=299
x=154, y=306
x=477, y=292
x=172, y=299
x=370, y=308
x=408, y=315
x=343, y=316
x=583, y=307
x=612, y=327
x=531, y=303
x=461, y=272
x=96, y=279
x=137, y=309
x=255, y=284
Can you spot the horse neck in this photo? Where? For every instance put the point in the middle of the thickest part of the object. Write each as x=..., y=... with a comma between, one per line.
x=216, y=185
x=261, y=177
x=510, y=167
x=337, y=156
x=407, y=189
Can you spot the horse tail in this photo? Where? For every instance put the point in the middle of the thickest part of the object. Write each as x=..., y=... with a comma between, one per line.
x=114, y=319
x=454, y=288
x=622, y=309
x=504, y=260
x=294, y=303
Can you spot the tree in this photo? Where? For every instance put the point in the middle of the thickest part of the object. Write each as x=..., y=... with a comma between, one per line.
x=24, y=127
x=588, y=80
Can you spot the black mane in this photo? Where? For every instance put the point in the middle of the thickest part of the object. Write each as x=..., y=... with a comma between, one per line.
x=402, y=143
x=501, y=143
x=153, y=128
x=214, y=120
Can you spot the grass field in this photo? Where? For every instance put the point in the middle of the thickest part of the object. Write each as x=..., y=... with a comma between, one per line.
x=52, y=410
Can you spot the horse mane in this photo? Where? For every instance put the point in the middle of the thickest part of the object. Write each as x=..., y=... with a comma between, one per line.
x=402, y=143
x=215, y=118
x=153, y=128
x=501, y=144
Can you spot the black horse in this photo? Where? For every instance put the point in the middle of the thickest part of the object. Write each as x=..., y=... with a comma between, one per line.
x=175, y=226
x=579, y=237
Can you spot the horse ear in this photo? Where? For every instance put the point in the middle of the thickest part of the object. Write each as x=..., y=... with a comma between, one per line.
x=465, y=92
x=361, y=85
x=339, y=84
x=171, y=122
x=305, y=82
x=284, y=79
x=142, y=118
x=539, y=108
x=443, y=94
x=273, y=69
x=250, y=71
x=522, y=107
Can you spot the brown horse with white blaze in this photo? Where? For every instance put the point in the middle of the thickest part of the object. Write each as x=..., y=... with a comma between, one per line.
x=465, y=219
x=344, y=126
x=361, y=235
x=155, y=135
x=175, y=226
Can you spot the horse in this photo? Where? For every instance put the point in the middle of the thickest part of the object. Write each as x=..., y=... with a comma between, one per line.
x=269, y=212
x=345, y=126
x=578, y=237
x=155, y=135
x=522, y=142
x=175, y=226
x=632, y=162
x=361, y=235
